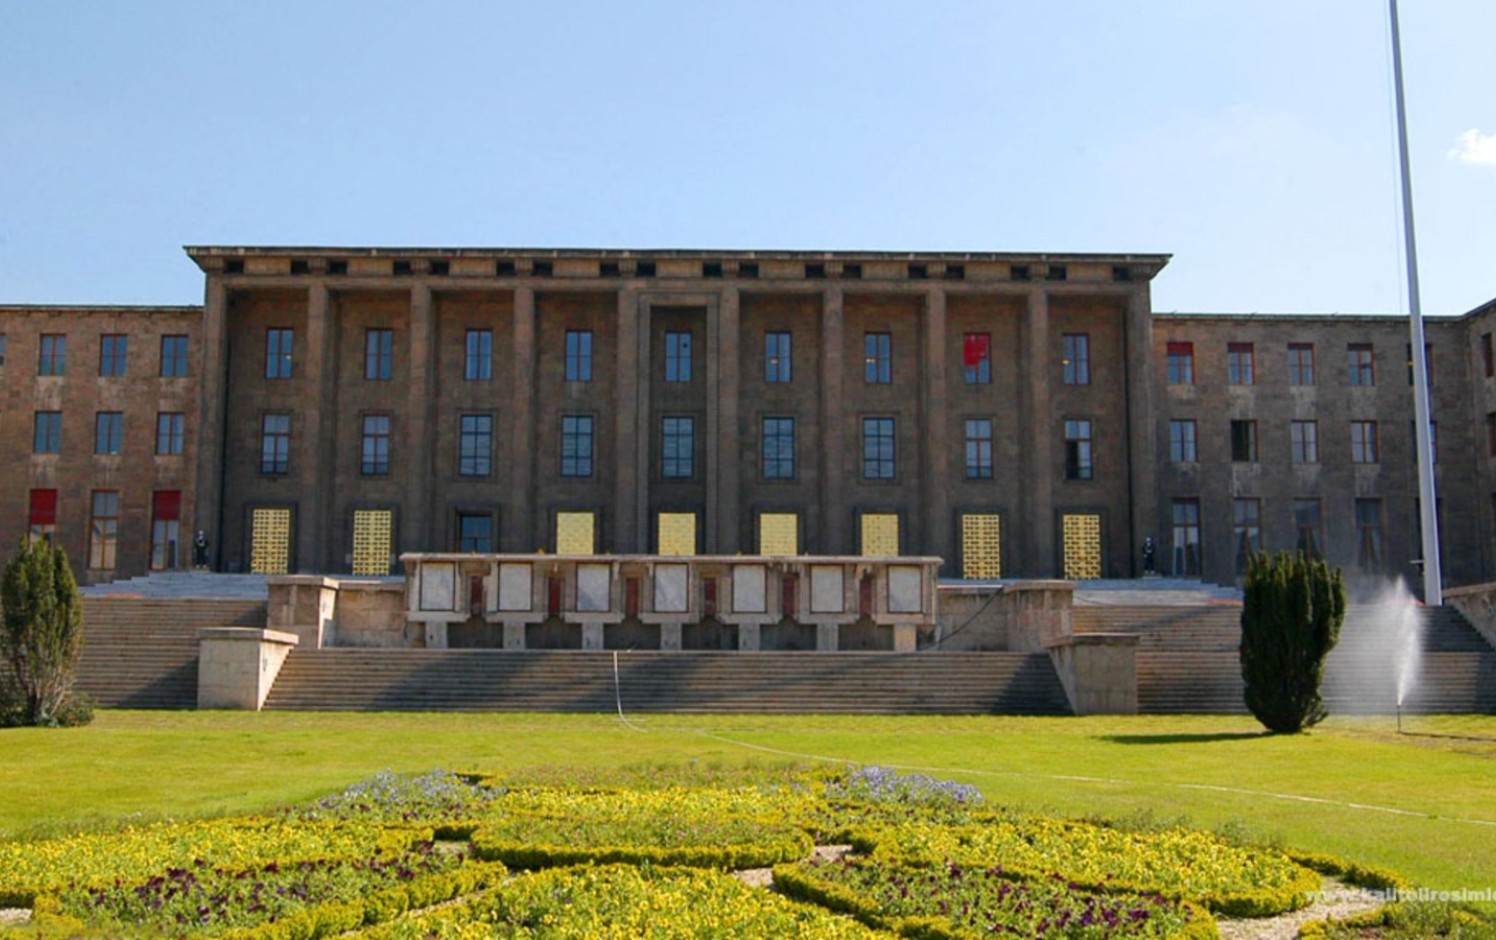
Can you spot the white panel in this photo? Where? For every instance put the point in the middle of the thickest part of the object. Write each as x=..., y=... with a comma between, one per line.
x=438, y=586
x=826, y=593
x=905, y=589
x=592, y=587
x=515, y=587
x=748, y=589
x=670, y=588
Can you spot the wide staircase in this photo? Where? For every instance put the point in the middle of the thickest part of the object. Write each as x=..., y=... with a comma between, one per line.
x=686, y=682
x=141, y=652
x=1187, y=660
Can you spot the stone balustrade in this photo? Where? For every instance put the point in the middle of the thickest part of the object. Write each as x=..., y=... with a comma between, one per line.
x=591, y=592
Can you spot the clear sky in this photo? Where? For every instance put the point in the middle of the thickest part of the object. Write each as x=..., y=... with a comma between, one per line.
x=1252, y=140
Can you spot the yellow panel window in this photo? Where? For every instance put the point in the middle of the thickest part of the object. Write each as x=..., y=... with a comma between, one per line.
x=373, y=539
x=779, y=533
x=880, y=534
x=270, y=541
x=1081, y=534
x=576, y=533
x=981, y=545
x=677, y=533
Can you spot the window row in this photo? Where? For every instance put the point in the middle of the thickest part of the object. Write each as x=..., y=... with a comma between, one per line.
x=109, y=432
x=52, y=355
x=1241, y=363
x=103, y=526
x=1303, y=441
x=1247, y=521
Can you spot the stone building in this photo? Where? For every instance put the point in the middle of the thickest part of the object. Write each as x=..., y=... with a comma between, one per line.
x=1018, y=415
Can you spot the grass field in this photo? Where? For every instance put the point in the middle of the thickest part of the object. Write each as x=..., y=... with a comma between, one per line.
x=1422, y=803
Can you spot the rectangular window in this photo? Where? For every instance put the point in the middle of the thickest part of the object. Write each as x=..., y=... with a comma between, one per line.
x=1246, y=520
x=1244, y=441
x=777, y=356
x=1306, y=522
x=579, y=355
x=976, y=355
x=2, y=350
x=478, y=364
x=1300, y=363
x=779, y=448
x=1359, y=359
x=1304, y=440
x=1076, y=358
x=47, y=436
x=173, y=356
x=1364, y=448
x=166, y=532
x=677, y=357
x=1182, y=441
x=279, y=343
x=877, y=449
x=109, y=432
x=474, y=532
x=1241, y=364
x=43, y=514
x=379, y=353
x=1186, y=542
x=53, y=359
x=475, y=445
x=169, y=427
x=374, y=452
x=576, y=445
x=877, y=358
x=1181, y=363
x=678, y=447
x=779, y=534
x=978, y=449
x=1428, y=361
x=1487, y=355
x=1369, y=533
x=1078, y=465
x=103, y=536
x=275, y=444
x=1491, y=433
x=112, y=349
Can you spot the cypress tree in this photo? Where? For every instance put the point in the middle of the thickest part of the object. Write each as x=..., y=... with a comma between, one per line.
x=42, y=629
x=1292, y=610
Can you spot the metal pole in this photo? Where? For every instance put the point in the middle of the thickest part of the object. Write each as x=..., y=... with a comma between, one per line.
x=1427, y=501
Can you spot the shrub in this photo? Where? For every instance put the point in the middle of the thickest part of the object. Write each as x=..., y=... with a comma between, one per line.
x=41, y=635
x=1290, y=620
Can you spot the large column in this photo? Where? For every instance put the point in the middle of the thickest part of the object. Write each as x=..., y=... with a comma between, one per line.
x=1143, y=488
x=1037, y=431
x=417, y=532
x=213, y=369
x=520, y=526
x=317, y=521
x=631, y=431
x=723, y=523
x=935, y=524
x=835, y=528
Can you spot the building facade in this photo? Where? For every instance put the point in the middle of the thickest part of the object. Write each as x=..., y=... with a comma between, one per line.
x=1018, y=415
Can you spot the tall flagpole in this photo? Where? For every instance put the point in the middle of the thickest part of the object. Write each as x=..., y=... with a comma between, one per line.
x=1428, y=505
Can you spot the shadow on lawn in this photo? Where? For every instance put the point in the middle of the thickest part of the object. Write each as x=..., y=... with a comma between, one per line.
x=1184, y=738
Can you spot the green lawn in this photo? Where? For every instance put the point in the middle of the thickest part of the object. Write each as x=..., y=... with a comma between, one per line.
x=1423, y=803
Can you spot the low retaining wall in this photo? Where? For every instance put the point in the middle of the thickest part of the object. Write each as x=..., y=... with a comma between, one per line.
x=236, y=666
x=1020, y=616
x=1099, y=672
x=1478, y=603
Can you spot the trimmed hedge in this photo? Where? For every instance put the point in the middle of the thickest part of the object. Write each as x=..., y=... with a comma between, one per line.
x=517, y=854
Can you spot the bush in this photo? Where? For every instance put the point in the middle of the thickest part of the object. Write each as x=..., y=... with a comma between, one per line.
x=42, y=632
x=1290, y=620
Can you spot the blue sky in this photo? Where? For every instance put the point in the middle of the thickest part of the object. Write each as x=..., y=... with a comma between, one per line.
x=1252, y=140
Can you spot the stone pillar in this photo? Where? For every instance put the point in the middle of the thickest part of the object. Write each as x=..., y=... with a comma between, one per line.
x=317, y=521
x=212, y=381
x=835, y=529
x=749, y=637
x=1141, y=456
x=514, y=636
x=935, y=526
x=723, y=494
x=592, y=636
x=631, y=432
x=670, y=637
x=828, y=637
x=1037, y=552
x=521, y=530
x=236, y=666
x=416, y=530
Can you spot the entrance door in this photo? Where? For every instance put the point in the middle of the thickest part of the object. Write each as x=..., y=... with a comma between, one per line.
x=270, y=540
x=1080, y=535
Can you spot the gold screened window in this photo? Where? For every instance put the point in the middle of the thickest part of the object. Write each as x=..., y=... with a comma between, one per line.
x=677, y=533
x=373, y=537
x=270, y=541
x=981, y=545
x=576, y=533
x=880, y=534
x=1081, y=533
x=779, y=533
